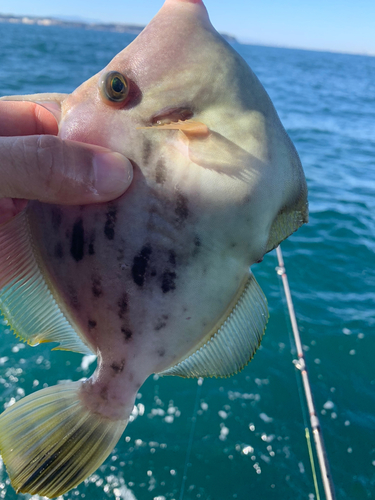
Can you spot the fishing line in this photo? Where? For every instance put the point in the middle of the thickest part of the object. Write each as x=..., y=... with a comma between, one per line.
x=312, y=462
x=299, y=390
x=301, y=365
x=191, y=437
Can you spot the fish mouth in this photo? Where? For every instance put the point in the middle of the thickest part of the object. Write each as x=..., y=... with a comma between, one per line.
x=178, y=119
x=172, y=115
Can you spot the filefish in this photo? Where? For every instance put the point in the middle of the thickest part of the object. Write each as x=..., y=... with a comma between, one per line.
x=159, y=280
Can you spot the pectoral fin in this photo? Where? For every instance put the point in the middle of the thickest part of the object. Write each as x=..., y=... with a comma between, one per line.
x=285, y=224
x=190, y=128
x=235, y=342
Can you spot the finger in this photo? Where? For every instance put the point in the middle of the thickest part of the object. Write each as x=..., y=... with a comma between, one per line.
x=51, y=170
x=20, y=118
x=9, y=207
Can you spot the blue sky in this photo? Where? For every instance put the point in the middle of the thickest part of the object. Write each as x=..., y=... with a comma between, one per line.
x=337, y=25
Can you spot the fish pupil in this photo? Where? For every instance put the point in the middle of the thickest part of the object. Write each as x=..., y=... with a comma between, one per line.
x=117, y=85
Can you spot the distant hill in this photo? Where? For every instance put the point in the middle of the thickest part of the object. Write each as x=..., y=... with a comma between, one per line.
x=65, y=22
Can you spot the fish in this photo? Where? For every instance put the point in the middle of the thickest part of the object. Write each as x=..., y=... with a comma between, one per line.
x=158, y=280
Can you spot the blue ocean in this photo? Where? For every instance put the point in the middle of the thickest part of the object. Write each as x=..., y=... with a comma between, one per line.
x=244, y=437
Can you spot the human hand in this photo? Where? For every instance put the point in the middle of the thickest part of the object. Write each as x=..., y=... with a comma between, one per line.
x=37, y=165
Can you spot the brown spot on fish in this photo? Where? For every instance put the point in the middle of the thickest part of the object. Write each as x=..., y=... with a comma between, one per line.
x=168, y=281
x=91, y=323
x=59, y=252
x=104, y=393
x=109, y=228
x=56, y=216
x=160, y=324
x=160, y=172
x=96, y=288
x=91, y=244
x=161, y=352
x=118, y=367
x=172, y=258
x=123, y=305
x=120, y=254
x=197, y=246
x=78, y=240
x=140, y=263
x=73, y=297
x=181, y=210
x=147, y=150
x=127, y=333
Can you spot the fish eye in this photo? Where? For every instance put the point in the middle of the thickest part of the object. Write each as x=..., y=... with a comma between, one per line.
x=115, y=86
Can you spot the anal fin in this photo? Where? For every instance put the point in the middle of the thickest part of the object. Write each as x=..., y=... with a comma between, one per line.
x=234, y=344
x=26, y=300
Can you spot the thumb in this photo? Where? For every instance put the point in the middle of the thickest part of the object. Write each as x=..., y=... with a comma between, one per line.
x=51, y=170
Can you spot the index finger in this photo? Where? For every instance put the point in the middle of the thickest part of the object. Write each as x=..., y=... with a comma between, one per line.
x=25, y=118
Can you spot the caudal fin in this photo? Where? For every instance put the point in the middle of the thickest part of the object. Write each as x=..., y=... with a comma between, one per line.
x=50, y=442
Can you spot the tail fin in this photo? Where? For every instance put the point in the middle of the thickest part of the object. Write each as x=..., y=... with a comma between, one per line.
x=50, y=442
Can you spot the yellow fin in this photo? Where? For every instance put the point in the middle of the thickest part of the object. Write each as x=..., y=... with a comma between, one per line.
x=295, y=213
x=234, y=344
x=190, y=128
x=26, y=300
x=50, y=442
x=286, y=223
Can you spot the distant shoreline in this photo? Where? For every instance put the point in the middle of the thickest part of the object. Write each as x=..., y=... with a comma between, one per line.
x=131, y=29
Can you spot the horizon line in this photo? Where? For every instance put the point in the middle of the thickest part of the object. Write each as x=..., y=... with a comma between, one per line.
x=230, y=37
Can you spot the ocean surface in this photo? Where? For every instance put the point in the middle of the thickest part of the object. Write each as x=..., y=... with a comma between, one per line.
x=244, y=437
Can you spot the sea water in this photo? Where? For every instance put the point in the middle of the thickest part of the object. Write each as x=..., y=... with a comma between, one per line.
x=244, y=437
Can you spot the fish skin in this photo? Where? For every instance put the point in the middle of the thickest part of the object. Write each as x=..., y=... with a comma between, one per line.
x=145, y=278
x=182, y=192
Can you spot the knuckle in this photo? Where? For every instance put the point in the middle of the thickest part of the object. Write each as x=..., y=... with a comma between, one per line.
x=35, y=115
x=50, y=160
